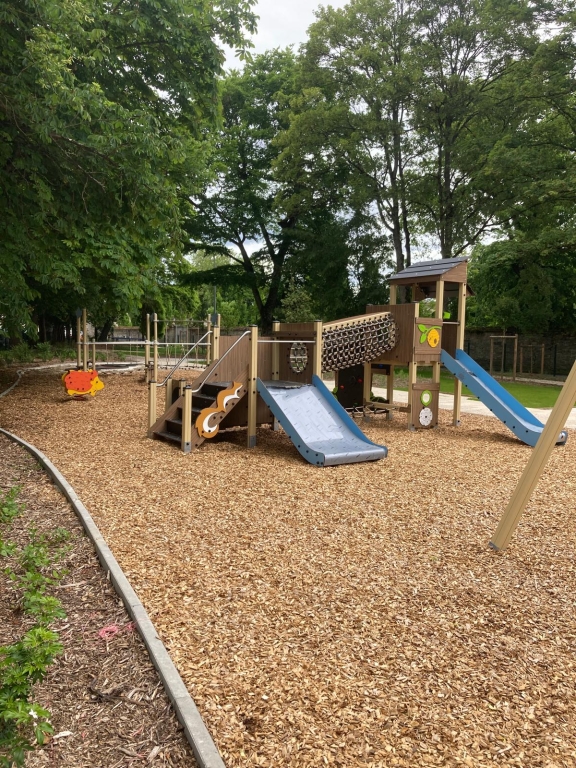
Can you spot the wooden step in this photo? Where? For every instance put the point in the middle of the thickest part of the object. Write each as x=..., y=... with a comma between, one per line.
x=169, y=436
x=213, y=388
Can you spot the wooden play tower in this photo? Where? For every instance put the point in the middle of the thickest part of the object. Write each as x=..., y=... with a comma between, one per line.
x=421, y=339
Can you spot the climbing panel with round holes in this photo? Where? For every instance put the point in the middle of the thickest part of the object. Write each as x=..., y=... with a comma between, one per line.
x=358, y=342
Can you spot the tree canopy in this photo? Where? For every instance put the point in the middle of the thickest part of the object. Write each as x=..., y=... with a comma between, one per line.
x=106, y=111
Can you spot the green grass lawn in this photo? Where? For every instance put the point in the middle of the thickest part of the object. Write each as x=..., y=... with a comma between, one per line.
x=530, y=395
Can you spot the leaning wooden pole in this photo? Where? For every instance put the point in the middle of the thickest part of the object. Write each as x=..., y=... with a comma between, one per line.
x=536, y=464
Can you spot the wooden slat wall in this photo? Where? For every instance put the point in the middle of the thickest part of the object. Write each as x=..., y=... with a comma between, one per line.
x=265, y=357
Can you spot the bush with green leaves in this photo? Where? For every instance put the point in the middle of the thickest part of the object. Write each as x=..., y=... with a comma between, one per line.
x=26, y=662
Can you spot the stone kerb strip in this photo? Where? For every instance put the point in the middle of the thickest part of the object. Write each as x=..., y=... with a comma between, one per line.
x=203, y=746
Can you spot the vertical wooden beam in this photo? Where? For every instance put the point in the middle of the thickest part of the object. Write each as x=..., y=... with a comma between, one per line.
x=438, y=314
x=275, y=353
x=182, y=384
x=536, y=463
x=275, y=367
x=367, y=383
x=515, y=358
x=151, y=404
x=78, y=343
x=169, y=393
x=216, y=339
x=147, y=349
x=317, y=356
x=155, y=350
x=412, y=376
x=393, y=293
x=84, y=340
x=186, y=443
x=390, y=392
x=459, y=345
x=94, y=353
x=252, y=392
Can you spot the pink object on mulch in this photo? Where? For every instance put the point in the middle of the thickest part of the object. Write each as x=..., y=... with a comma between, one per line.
x=107, y=632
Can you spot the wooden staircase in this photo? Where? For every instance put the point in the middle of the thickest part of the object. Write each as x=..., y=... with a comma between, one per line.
x=205, y=403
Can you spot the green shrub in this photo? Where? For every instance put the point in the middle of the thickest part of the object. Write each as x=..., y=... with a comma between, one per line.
x=22, y=353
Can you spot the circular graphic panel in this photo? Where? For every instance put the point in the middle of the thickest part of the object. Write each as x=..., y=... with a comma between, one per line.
x=426, y=397
x=425, y=417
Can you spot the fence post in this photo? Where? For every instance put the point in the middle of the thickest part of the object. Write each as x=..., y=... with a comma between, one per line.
x=151, y=405
x=515, y=358
x=252, y=392
x=187, y=420
x=94, y=354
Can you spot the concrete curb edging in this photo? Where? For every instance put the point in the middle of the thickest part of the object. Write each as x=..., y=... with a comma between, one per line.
x=203, y=746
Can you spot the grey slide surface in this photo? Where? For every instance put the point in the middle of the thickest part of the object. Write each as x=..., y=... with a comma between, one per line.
x=319, y=427
x=502, y=404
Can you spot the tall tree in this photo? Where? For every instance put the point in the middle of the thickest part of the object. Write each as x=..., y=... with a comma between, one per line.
x=104, y=108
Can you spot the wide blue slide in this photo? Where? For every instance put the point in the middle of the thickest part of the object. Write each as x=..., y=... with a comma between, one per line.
x=503, y=405
x=317, y=424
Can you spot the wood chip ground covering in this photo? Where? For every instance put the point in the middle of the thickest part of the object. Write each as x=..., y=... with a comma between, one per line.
x=107, y=704
x=347, y=616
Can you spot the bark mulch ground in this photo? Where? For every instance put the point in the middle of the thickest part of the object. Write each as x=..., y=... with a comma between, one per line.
x=348, y=616
x=107, y=704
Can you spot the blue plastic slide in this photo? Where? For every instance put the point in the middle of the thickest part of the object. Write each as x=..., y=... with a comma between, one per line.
x=524, y=424
x=317, y=424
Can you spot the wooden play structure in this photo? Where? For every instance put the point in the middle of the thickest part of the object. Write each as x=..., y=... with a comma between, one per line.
x=420, y=341
x=277, y=379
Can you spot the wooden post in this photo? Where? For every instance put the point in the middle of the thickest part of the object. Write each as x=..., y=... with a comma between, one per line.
x=536, y=463
x=317, y=357
x=367, y=383
x=182, y=386
x=84, y=341
x=412, y=377
x=393, y=294
x=155, y=350
x=147, y=349
x=151, y=405
x=459, y=345
x=390, y=392
x=209, y=341
x=275, y=353
x=252, y=392
x=216, y=339
x=78, y=344
x=438, y=314
x=169, y=393
x=94, y=354
x=275, y=367
x=515, y=358
x=521, y=360
x=186, y=444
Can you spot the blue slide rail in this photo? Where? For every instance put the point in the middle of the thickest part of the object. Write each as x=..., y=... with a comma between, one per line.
x=319, y=427
x=503, y=405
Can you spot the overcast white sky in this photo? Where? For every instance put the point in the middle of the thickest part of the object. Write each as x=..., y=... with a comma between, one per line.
x=282, y=23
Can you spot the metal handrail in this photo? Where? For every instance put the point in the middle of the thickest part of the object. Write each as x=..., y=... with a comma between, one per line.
x=179, y=363
x=286, y=341
x=239, y=339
